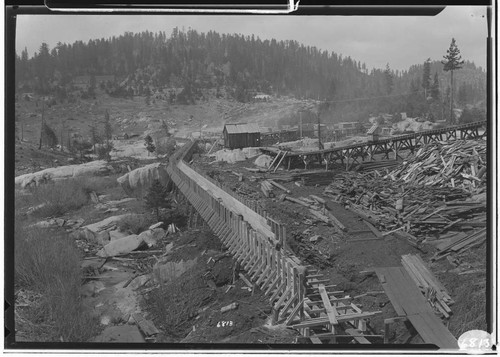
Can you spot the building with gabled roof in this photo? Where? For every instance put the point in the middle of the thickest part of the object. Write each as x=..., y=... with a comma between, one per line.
x=241, y=135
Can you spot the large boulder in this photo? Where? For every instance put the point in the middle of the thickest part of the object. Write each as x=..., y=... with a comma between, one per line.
x=263, y=161
x=92, y=168
x=137, y=182
x=107, y=223
x=152, y=236
x=121, y=246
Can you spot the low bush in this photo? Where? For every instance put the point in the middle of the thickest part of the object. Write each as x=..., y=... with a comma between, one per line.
x=47, y=262
x=136, y=224
x=58, y=197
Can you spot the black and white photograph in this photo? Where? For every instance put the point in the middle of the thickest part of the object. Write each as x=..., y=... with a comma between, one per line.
x=256, y=181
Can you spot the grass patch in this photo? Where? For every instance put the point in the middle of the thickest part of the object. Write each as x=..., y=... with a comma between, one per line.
x=57, y=198
x=47, y=262
x=60, y=197
x=471, y=311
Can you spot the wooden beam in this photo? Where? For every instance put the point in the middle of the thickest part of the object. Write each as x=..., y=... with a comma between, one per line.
x=281, y=187
x=340, y=318
x=358, y=336
x=330, y=311
x=375, y=231
x=335, y=221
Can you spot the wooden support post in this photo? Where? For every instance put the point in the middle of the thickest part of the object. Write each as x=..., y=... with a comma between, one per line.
x=301, y=289
x=274, y=316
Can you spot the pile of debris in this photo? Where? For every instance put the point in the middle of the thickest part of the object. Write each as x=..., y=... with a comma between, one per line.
x=459, y=242
x=461, y=163
x=419, y=199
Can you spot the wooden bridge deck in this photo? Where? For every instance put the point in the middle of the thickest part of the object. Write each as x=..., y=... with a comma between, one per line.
x=470, y=130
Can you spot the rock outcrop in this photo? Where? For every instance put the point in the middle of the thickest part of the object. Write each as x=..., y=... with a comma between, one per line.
x=93, y=168
x=137, y=182
x=121, y=246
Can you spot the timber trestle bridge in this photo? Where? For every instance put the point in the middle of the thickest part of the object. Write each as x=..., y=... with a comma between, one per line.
x=367, y=151
x=298, y=293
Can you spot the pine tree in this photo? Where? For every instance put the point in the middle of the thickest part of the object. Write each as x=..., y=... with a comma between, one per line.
x=389, y=79
x=157, y=197
x=452, y=62
x=94, y=136
x=108, y=130
x=148, y=143
x=462, y=94
x=435, y=93
x=426, y=77
x=49, y=136
x=165, y=128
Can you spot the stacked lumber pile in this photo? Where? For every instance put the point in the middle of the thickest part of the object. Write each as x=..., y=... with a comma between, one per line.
x=267, y=188
x=377, y=165
x=425, y=211
x=414, y=201
x=460, y=242
x=460, y=163
x=436, y=294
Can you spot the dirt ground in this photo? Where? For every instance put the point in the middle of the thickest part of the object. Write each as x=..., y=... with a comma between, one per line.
x=202, y=279
x=187, y=309
x=343, y=256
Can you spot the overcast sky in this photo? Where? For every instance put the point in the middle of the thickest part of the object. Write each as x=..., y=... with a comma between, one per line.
x=399, y=41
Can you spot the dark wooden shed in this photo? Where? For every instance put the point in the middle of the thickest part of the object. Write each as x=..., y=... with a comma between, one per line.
x=237, y=136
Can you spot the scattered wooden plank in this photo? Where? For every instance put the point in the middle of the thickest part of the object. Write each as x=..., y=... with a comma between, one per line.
x=246, y=281
x=318, y=199
x=281, y=187
x=375, y=231
x=296, y=200
x=358, y=336
x=335, y=221
x=240, y=176
x=319, y=215
x=146, y=326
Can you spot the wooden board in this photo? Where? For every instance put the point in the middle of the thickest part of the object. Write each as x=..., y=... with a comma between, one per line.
x=330, y=311
x=432, y=330
x=408, y=301
x=146, y=326
x=356, y=334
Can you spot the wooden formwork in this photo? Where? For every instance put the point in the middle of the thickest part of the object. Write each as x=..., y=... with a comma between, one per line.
x=258, y=243
x=259, y=250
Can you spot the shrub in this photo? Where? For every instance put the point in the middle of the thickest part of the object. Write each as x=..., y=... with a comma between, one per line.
x=103, y=151
x=165, y=147
x=135, y=224
x=59, y=197
x=47, y=261
x=157, y=197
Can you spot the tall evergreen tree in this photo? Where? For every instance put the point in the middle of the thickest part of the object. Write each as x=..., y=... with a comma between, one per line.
x=435, y=92
x=462, y=94
x=148, y=143
x=389, y=79
x=157, y=197
x=43, y=68
x=108, y=130
x=452, y=62
x=426, y=77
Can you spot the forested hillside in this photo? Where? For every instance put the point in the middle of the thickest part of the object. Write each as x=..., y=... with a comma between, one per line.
x=187, y=65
